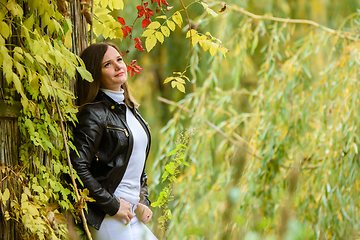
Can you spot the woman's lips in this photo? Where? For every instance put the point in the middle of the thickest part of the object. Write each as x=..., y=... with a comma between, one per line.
x=119, y=74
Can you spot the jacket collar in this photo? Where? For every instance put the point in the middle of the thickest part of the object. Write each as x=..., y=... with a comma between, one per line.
x=109, y=102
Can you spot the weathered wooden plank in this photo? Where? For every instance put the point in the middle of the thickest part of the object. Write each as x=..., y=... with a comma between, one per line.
x=10, y=111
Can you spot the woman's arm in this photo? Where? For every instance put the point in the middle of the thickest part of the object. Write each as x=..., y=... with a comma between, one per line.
x=144, y=195
x=87, y=138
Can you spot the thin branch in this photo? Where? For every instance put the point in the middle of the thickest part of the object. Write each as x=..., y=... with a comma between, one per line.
x=222, y=133
x=91, y=27
x=66, y=150
x=342, y=34
x=191, y=37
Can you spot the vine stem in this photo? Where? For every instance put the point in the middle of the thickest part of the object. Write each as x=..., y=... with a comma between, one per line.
x=65, y=140
x=342, y=34
x=67, y=151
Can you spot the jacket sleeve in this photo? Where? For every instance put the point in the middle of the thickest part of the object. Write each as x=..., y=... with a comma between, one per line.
x=87, y=138
x=144, y=195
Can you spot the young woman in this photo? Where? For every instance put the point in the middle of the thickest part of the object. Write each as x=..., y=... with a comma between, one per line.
x=113, y=142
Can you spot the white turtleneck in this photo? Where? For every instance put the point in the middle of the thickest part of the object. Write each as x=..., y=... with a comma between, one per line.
x=129, y=187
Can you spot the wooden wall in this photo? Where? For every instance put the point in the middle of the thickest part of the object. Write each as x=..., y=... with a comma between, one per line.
x=10, y=139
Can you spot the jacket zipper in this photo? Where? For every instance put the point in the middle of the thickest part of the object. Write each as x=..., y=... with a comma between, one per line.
x=121, y=129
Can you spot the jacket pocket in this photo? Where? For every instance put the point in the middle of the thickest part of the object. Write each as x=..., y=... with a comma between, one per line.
x=119, y=129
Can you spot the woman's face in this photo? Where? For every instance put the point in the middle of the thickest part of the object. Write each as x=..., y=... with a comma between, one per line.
x=113, y=70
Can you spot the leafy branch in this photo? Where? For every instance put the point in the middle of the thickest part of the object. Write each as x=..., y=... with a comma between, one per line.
x=346, y=35
x=170, y=175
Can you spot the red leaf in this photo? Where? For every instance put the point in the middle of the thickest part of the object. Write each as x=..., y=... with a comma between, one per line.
x=164, y=2
x=125, y=33
x=138, y=44
x=145, y=4
x=145, y=22
x=150, y=12
x=132, y=62
x=121, y=20
x=138, y=67
x=128, y=29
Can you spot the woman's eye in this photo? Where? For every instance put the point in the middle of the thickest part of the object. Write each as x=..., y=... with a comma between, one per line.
x=119, y=59
x=107, y=64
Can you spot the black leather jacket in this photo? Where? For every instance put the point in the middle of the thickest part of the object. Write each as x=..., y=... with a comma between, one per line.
x=104, y=143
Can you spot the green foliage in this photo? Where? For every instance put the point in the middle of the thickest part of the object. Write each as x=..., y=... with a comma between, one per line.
x=37, y=65
x=170, y=175
x=284, y=97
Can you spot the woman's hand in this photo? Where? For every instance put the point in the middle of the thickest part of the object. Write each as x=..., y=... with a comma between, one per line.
x=124, y=212
x=143, y=213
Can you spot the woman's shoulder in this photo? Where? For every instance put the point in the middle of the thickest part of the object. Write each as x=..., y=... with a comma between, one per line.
x=93, y=110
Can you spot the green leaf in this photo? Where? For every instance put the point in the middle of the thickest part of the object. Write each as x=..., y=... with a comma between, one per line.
x=85, y=74
x=172, y=152
x=4, y=29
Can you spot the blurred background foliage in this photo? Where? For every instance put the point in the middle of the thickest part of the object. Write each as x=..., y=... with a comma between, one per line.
x=274, y=141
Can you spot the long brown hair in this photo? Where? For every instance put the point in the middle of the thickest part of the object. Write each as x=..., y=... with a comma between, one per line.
x=92, y=57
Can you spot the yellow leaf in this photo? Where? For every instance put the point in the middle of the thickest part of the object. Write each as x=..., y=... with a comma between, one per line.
x=205, y=44
x=68, y=40
x=213, y=49
x=150, y=42
x=4, y=30
x=191, y=33
x=159, y=36
x=165, y=30
x=14, y=8
x=20, y=69
x=28, y=23
x=173, y=84
x=7, y=215
x=100, y=10
x=177, y=18
x=118, y=4
x=180, y=80
x=104, y=3
x=171, y=25
x=84, y=73
x=181, y=87
x=162, y=17
x=168, y=79
x=17, y=84
x=148, y=32
x=195, y=39
x=209, y=10
x=5, y=195
x=154, y=25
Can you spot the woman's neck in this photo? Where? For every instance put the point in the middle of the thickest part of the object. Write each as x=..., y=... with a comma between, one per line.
x=117, y=96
